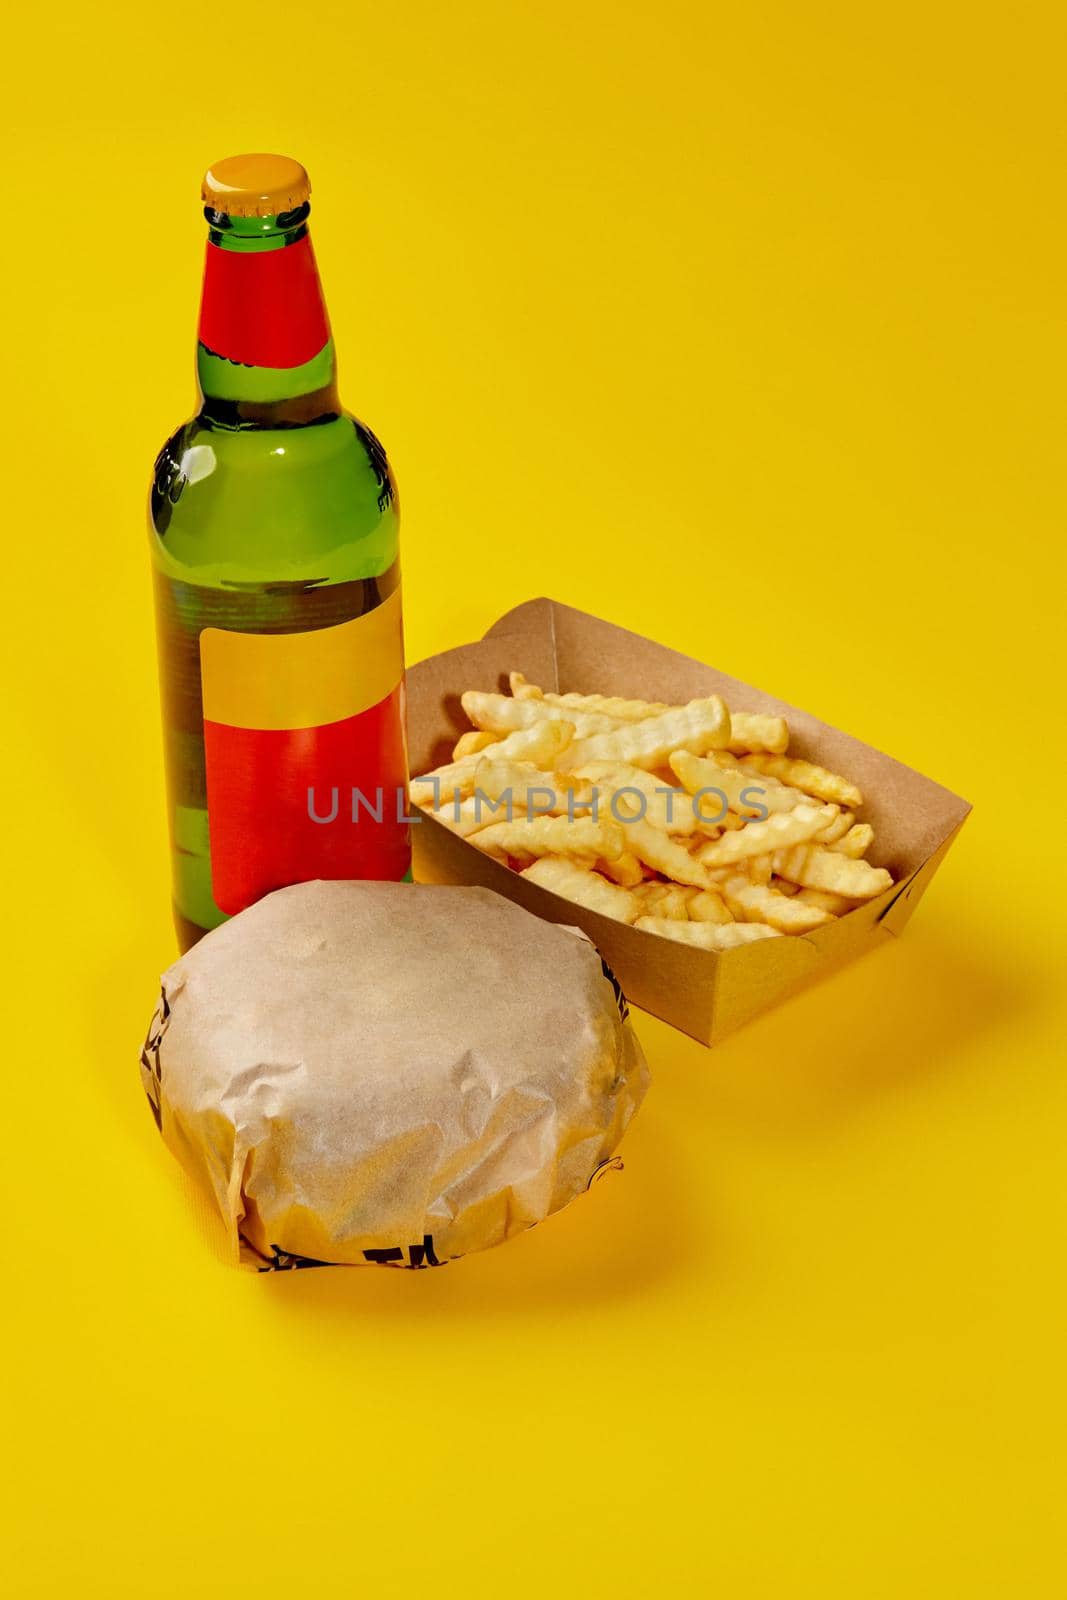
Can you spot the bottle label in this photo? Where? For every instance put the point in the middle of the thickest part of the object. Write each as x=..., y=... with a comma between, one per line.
x=305, y=756
x=263, y=308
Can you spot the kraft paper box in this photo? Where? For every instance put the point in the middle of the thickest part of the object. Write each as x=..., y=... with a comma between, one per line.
x=705, y=993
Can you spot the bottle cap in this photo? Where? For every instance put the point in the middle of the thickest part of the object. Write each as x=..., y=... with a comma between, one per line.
x=255, y=185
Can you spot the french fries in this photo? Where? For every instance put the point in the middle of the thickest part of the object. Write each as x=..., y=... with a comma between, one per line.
x=752, y=902
x=686, y=821
x=527, y=837
x=608, y=705
x=584, y=887
x=664, y=854
x=817, y=867
x=856, y=842
x=529, y=789
x=501, y=713
x=699, y=726
x=720, y=775
x=757, y=838
x=836, y=828
x=665, y=806
x=836, y=904
x=708, y=906
x=625, y=869
x=469, y=744
x=540, y=745
x=805, y=775
x=759, y=869
x=463, y=816
x=455, y=780
x=522, y=688
x=661, y=899
x=752, y=730
x=749, y=730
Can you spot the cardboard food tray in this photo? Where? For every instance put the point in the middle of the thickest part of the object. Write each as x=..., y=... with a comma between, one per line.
x=705, y=993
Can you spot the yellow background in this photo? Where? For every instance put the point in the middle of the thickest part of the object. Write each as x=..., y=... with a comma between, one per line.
x=742, y=326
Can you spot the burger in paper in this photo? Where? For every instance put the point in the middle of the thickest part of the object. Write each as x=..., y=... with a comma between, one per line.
x=395, y=1074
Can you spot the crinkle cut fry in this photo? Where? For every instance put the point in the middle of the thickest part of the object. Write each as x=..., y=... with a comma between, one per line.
x=752, y=902
x=551, y=836
x=699, y=726
x=755, y=730
x=584, y=887
x=814, y=780
x=502, y=713
x=817, y=866
x=777, y=832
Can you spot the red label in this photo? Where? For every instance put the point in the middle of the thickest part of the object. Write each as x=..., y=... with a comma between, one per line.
x=267, y=786
x=263, y=308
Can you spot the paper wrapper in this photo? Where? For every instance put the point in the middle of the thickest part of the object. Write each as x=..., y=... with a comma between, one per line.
x=389, y=1073
x=704, y=992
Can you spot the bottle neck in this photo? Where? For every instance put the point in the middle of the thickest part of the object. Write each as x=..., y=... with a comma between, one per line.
x=264, y=354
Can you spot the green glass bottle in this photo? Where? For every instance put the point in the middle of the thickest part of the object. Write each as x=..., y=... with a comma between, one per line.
x=273, y=529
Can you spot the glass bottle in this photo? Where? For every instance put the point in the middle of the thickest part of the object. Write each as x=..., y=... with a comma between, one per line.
x=273, y=528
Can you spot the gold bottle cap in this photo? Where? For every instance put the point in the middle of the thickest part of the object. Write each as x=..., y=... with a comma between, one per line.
x=255, y=185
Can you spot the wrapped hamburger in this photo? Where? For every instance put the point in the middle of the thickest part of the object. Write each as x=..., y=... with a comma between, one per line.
x=389, y=1073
